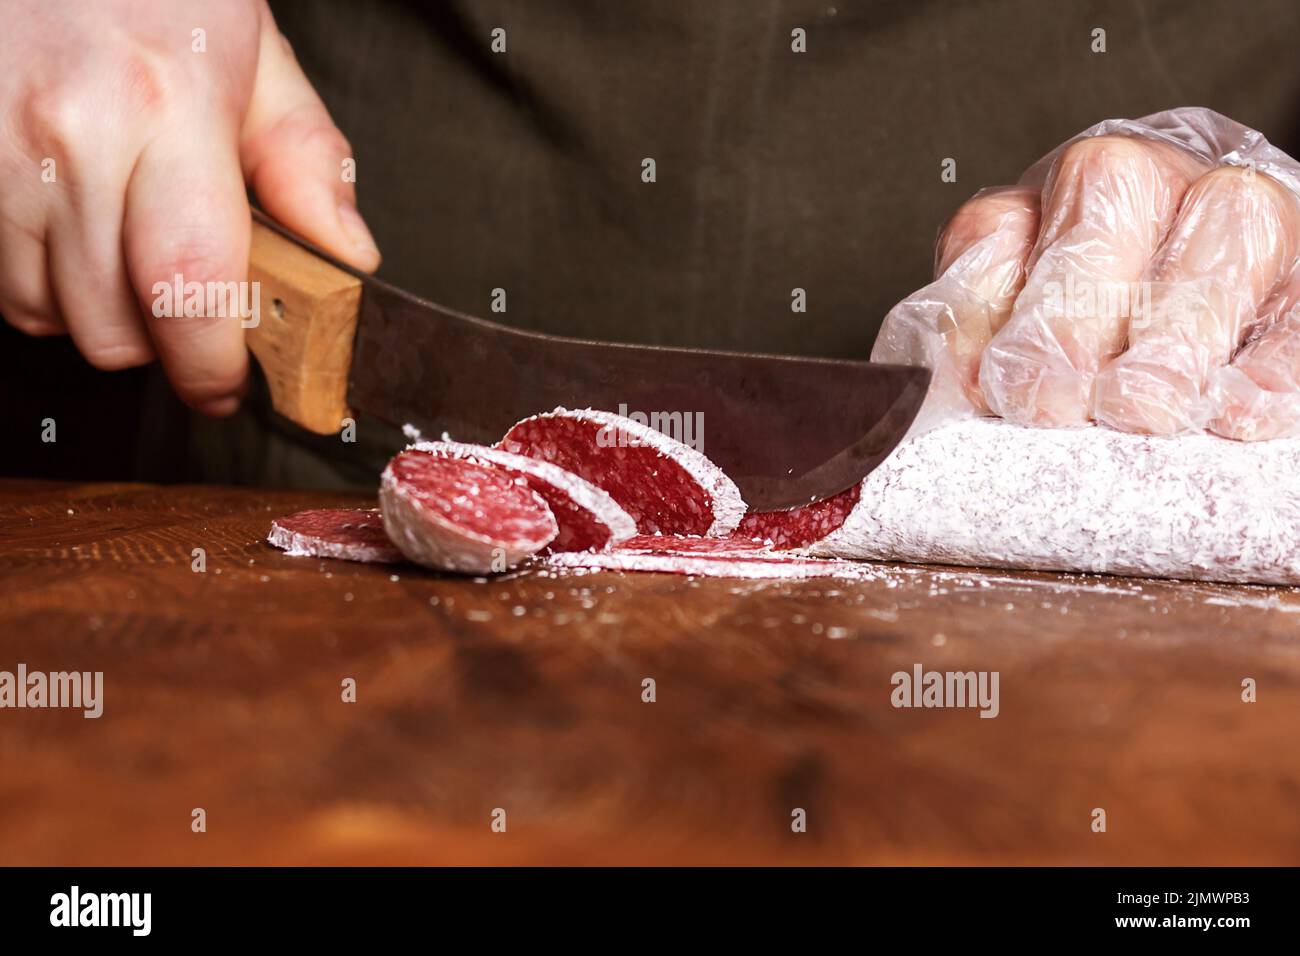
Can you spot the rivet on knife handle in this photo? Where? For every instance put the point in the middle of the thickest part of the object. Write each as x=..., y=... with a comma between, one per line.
x=303, y=339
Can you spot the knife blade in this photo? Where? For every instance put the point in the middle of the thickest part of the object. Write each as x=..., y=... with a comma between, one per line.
x=788, y=430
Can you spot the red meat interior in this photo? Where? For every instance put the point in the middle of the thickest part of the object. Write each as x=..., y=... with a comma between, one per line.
x=799, y=527
x=659, y=494
x=345, y=526
x=481, y=500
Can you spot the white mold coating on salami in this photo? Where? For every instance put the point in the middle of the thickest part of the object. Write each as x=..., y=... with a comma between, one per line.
x=586, y=515
x=348, y=534
x=457, y=515
x=664, y=485
x=986, y=492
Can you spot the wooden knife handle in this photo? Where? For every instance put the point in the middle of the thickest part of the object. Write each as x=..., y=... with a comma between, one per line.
x=303, y=338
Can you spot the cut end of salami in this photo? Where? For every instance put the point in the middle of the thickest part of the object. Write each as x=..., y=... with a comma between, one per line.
x=803, y=526
x=588, y=518
x=455, y=514
x=667, y=487
x=350, y=534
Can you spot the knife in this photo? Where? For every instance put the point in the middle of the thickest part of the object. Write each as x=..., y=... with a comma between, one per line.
x=335, y=341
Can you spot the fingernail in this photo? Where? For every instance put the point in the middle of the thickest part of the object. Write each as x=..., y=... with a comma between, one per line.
x=366, y=253
x=220, y=407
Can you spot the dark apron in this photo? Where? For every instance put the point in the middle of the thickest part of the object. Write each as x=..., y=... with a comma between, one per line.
x=775, y=170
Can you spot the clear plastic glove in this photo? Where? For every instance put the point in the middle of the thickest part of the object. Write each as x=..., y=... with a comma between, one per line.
x=1118, y=283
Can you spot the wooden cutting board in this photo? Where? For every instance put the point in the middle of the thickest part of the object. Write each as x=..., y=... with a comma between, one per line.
x=524, y=694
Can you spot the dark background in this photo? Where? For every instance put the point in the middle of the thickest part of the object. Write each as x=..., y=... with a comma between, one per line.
x=775, y=170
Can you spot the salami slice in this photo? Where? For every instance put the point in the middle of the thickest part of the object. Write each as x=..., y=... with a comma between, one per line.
x=690, y=544
x=666, y=487
x=588, y=518
x=755, y=564
x=732, y=557
x=352, y=534
x=455, y=514
x=802, y=526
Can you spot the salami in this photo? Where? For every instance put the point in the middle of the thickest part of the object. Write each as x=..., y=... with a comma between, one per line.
x=987, y=492
x=690, y=544
x=352, y=534
x=667, y=487
x=730, y=557
x=455, y=514
x=755, y=563
x=802, y=526
x=587, y=517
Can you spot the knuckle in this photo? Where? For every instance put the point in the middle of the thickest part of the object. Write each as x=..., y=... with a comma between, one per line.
x=65, y=116
x=1243, y=182
x=1230, y=183
x=193, y=258
x=1230, y=177
x=144, y=84
x=326, y=138
x=311, y=127
x=991, y=209
x=55, y=120
x=1254, y=204
x=1012, y=213
x=1107, y=152
x=970, y=217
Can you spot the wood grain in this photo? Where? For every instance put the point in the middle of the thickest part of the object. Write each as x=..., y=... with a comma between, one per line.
x=303, y=339
x=222, y=691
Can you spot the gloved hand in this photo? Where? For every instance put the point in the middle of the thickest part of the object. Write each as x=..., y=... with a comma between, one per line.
x=1118, y=283
x=129, y=130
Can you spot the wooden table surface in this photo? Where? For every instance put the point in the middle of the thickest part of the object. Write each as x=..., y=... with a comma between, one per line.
x=222, y=691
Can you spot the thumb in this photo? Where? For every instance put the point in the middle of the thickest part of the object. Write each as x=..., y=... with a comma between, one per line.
x=296, y=159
